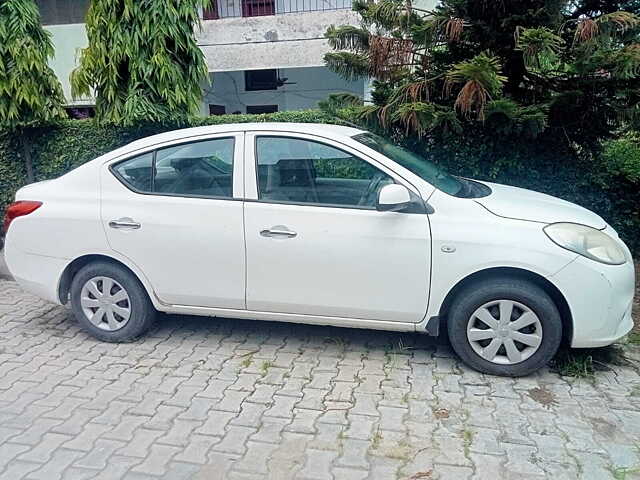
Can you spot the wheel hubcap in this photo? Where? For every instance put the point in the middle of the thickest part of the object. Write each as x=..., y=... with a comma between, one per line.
x=504, y=332
x=105, y=303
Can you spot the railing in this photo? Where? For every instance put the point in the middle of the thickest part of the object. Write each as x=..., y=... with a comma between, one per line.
x=258, y=8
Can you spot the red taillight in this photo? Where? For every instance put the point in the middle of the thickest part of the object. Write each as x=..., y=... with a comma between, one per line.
x=19, y=209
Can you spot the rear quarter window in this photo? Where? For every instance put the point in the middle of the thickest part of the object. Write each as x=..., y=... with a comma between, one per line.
x=136, y=172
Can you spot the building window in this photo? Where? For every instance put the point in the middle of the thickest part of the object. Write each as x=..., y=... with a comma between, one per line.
x=217, y=109
x=258, y=8
x=80, y=113
x=62, y=12
x=211, y=12
x=262, y=108
x=260, y=80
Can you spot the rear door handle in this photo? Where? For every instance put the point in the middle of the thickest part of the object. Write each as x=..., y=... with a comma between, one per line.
x=278, y=231
x=124, y=223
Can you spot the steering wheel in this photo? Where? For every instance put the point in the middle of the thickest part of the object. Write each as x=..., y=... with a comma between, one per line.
x=371, y=189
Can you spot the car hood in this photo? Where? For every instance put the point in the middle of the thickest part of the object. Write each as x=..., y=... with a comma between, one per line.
x=521, y=204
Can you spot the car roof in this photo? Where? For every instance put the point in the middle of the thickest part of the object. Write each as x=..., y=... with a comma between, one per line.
x=185, y=133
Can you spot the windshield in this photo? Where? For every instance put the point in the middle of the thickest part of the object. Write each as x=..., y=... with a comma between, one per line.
x=413, y=162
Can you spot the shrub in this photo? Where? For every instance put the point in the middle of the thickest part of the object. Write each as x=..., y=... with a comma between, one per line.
x=61, y=147
x=541, y=164
x=622, y=156
x=545, y=166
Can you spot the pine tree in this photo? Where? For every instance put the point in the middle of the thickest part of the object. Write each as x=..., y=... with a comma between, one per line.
x=142, y=62
x=30, y=93
x=523, y=66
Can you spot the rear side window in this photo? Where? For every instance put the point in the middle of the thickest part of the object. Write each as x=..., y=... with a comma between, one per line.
x=199, y=169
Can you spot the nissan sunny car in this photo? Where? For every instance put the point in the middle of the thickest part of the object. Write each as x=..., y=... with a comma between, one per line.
x=319, y=224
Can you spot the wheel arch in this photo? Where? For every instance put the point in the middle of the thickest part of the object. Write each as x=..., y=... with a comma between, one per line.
x=520, y=273
x=64, y=285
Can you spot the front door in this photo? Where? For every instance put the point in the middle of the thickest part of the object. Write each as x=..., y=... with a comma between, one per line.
x=176, y=213
x=315, y=242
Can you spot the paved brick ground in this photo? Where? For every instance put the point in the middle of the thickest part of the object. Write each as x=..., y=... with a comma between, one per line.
x=208, y=398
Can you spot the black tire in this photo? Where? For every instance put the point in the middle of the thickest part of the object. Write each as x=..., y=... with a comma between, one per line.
x=142, y=311
x=522, y=291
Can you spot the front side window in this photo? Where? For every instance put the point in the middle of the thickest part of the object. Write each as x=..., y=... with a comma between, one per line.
x=418, y=165
x=200, y=169
x=303, y=171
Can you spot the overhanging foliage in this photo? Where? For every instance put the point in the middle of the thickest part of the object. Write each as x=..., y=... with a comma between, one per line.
x=30, y=92
x=142, y=62
x=566, y=66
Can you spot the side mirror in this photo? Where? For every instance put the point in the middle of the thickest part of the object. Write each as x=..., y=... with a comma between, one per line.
x=393, y=198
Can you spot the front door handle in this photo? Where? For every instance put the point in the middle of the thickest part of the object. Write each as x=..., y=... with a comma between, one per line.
x=124, y=223
x=278, y=231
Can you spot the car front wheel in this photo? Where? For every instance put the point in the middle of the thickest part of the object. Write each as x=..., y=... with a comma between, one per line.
x=110, y=303
x=504, y=326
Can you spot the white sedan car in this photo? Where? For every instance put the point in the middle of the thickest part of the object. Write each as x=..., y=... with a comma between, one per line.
x=319, y=224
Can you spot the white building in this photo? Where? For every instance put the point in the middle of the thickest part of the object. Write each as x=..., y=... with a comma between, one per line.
x=262, y=55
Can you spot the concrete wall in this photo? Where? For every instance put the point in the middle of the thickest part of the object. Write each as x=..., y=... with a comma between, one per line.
x=308, y=86
x=285, y=41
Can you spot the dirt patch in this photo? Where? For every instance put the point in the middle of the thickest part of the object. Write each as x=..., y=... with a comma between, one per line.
x=543, y=397
x=420, y=475
x=603, y=427
x=441, y=413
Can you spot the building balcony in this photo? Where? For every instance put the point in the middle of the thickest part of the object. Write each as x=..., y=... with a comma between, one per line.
x=260, y=8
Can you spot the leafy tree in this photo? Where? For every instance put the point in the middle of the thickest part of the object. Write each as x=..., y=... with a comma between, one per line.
x=30, y=92
x=522, y=66
x=142, y=62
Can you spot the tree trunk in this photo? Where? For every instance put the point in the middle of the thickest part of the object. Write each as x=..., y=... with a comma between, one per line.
x=26, y=151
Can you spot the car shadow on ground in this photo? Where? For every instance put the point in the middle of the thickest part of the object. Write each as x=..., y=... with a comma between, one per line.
x=278, y=332
x=568, y=362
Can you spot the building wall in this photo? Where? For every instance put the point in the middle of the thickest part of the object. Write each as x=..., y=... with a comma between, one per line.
x=307, y=87
x=61, y=12
x=68, y=40
x=289, y=41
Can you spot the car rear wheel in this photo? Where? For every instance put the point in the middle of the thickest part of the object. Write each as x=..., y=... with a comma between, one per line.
x=504, y=326
x=110, y=303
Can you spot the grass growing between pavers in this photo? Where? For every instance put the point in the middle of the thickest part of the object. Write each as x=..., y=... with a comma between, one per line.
x=634, y=337
x=584, y=363
x=622, y=473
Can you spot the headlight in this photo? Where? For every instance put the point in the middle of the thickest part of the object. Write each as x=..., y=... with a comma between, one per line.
x=586, y=241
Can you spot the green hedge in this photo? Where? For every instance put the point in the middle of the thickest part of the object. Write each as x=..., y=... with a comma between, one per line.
x=56, y=149
x=545, y=165
x=542, y=164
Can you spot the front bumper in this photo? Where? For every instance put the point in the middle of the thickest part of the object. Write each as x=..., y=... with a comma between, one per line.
x=600, y=299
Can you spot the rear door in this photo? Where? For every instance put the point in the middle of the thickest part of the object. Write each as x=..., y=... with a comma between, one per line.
x=176, y=213
x=316, y=244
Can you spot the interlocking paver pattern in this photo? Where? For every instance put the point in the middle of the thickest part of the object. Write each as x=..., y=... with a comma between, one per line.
x=205, y=398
